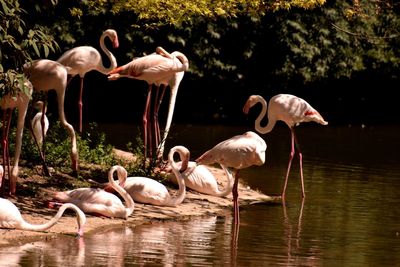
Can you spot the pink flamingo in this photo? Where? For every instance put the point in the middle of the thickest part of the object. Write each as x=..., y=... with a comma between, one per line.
x=83, y=59
x=160, y=68
x=147, y=190
x=97, y=201
x=10, y=217
x=8, y=103
x=290, y=109
x=199, y=178
x=237, y=152
x=46, y=75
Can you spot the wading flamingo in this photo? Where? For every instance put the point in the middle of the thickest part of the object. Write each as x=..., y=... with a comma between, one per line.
x=292, y=110
x=83, y=59
x=160, y=68
x=38, y=132
x=147, y=190
x=10, y=217
x=8, y=103
x=46, y=75
x=199, y=178
x=99, y=202
x=238, y=152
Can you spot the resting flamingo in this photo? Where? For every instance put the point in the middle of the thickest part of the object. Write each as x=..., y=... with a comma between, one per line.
x=147, y=190
x=199, y=178
x=8, y=103
x=292, y=110
x=39, y=132
x=237, y=152
x=99, y=202
x=160, y=68
x=46, y=75
x=83, y=59
x=10, y=217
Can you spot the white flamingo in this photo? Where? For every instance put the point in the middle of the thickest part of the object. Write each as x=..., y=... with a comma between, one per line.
x=199, y=178
x=292, y=110
x=10, y=216
x=147, y=190
x=39, y=133
x=99, y=202
x=46, y=75
x=83, y=59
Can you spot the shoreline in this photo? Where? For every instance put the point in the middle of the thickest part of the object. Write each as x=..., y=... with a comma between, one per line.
x=34, y=210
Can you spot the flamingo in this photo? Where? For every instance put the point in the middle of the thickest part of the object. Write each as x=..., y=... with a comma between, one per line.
x=8, y=103
x=83, y=59
x=98, y=201
x=10, y=217
x=292, y=110
x=200, y=179
x=147, y=190
x=160, y=68
x=38, y=132
x=46, y=75
x=237, y=152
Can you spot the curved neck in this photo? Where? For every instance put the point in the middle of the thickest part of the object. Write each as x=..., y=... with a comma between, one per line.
x=229, y=185
x=122, y=175
x=81, y=218
x=184, y=66
x=113, y=60
x=257, y=123
x=173, y=201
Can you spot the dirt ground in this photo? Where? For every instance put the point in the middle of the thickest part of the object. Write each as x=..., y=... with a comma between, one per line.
x=34, y=192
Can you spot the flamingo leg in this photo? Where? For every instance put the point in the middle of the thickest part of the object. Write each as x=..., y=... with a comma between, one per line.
x=297, y=146
x=43, y=148
x=4, y=143
x=290, y=163
x=6, y=153
x=155, y=117
x=146, y=127
x=80, y=104
x=235, y=195
x=157, y=109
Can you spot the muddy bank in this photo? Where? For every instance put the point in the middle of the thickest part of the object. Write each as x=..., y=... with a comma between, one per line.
x=33, y=207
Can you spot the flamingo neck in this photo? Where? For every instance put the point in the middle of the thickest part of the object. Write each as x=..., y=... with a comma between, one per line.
x=113, y=60
x=178, y=199
x=81, y=219
x=174, y=85
x=271, y=122
x=122, y=175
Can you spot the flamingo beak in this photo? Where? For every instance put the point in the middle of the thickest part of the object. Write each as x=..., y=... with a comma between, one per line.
x=116, y=43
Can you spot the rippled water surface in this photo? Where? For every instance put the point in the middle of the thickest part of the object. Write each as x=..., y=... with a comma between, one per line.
x=350, y=216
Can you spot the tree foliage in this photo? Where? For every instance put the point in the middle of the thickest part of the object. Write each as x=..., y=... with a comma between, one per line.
x=20, y=42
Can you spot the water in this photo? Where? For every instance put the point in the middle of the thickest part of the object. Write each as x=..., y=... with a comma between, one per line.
x=350, y=216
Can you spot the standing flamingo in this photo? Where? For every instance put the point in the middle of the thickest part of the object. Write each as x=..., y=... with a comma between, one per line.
x=39, y=132
x=46, y=75
x=98, y=201
x=147, y=190
x=160, y=68
x=83, y=59
x=8, y=103
x=290, y=109
x=237, y=152
x=10, y=217
x=199, y=178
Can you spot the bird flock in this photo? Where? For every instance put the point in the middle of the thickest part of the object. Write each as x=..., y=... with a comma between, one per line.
x=160, y=69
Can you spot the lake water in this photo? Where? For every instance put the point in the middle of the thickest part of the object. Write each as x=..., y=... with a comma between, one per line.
x=350, y=216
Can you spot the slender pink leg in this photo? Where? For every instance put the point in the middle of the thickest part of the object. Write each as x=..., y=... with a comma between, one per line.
x=4, y=143
x=80, y=104
x=145, y=120
x=156, y=110
x=235, y=195
x=6, y=153
x=155, y=118
x=43, y=148
x=290, y=163
x=297, y=146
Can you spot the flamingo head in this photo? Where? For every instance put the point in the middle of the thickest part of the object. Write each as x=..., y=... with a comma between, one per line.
x=251, y=101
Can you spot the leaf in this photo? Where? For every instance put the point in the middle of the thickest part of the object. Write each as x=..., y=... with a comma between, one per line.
x=46, y=51
x=36, y=49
